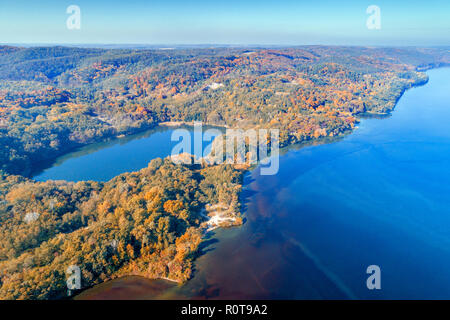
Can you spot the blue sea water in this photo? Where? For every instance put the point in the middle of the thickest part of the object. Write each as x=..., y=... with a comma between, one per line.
x=380, y=196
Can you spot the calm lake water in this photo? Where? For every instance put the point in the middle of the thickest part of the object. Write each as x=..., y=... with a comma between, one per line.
x=379, y=196
x=105, y=160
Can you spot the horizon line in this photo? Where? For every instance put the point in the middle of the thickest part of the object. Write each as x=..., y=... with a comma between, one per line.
x=211, y=45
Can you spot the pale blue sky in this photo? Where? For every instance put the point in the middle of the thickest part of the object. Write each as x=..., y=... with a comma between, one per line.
x=282, y=22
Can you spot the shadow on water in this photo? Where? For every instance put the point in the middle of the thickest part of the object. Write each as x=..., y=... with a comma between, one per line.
x=379, y=116
x=205, y=246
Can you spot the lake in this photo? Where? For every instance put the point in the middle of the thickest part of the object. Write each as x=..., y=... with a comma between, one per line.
x=379, y=196
x=104, y=160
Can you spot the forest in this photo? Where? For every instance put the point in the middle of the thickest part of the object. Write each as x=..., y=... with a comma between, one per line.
x=55, y=99
x=146, y=223
x=151, y=222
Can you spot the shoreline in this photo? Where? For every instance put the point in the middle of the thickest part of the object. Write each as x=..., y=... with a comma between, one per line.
x=175, y=124
x=181, y=123
x=40, y=166
x=300, y=145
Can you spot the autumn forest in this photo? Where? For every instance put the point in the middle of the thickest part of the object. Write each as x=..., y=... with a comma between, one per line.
x=152, y=222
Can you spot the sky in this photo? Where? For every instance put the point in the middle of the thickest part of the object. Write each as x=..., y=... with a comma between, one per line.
x=236, y=22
